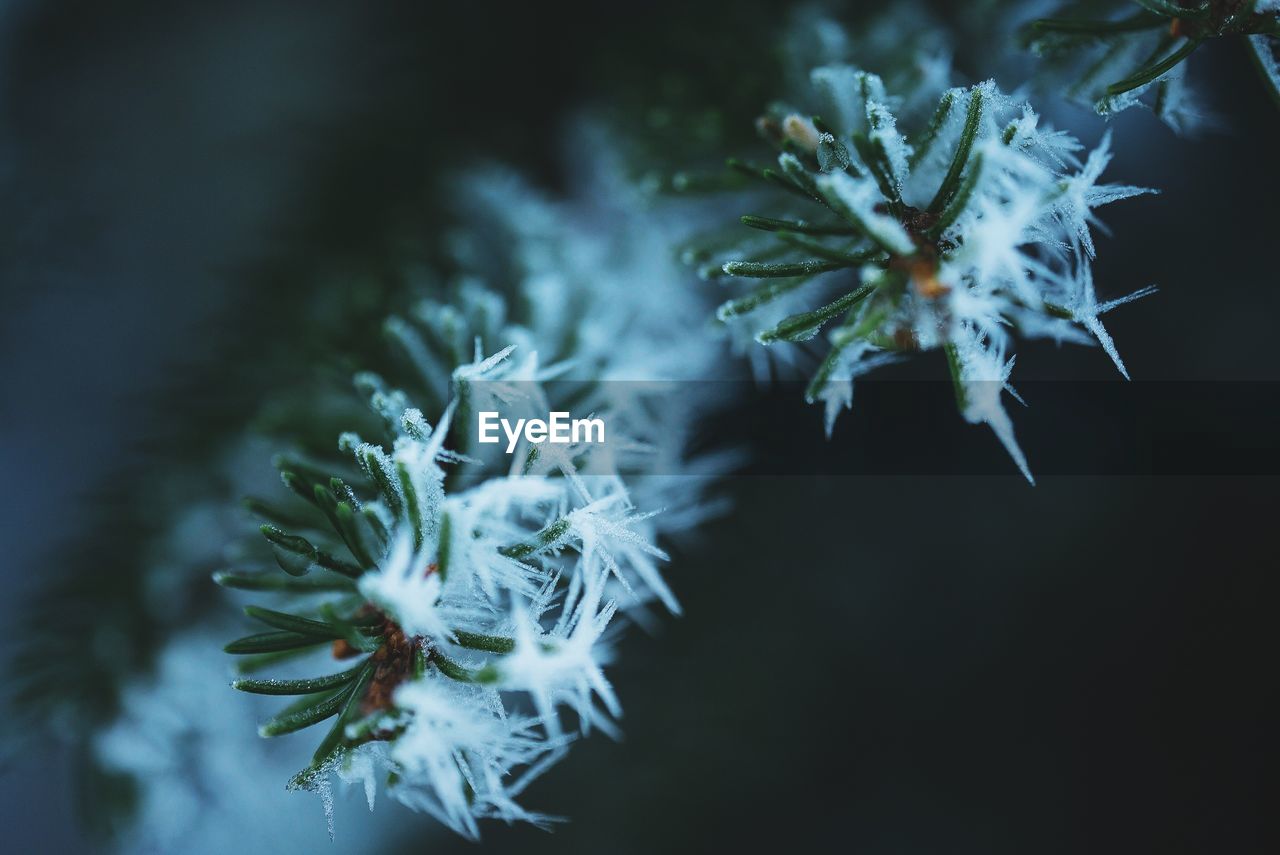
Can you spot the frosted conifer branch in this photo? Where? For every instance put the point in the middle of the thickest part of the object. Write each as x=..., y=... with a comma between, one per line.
x=446, y=616
x=477, y=596
x=973, y=227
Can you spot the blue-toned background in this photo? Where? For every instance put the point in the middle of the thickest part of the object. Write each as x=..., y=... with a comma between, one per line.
x=1074, y=667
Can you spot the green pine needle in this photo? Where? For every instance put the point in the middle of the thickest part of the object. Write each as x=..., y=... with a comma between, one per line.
x=295, y=624
x=272, y=582
x=350, y=707
x=298, y=687
x=272, y=642
x=772, y=270
x=1145, y=75
x=805, y=325
x=769, y=224
x=289, y=722
x=486, y=643
x=951, y=181
x=548, y=536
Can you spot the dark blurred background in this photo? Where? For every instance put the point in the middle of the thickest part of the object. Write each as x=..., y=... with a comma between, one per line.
x=915, y=652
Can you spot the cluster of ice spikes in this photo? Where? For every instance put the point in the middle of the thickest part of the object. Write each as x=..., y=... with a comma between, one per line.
x=1123, y=54
x=975, y=227
x=447, y=609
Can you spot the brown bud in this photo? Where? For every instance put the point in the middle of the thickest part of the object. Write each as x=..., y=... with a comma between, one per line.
x=924, y=277
x=801, y=131
x=343, y=650
x=768, y=128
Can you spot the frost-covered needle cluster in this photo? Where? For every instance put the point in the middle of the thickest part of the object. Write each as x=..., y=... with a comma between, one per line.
x=452, y=608
x=975, y=227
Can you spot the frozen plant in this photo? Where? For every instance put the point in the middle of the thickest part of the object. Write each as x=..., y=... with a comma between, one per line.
x=973, y=228
x=446, y=600
x=1125, y=54
x=566, y=281
x=448, y=610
